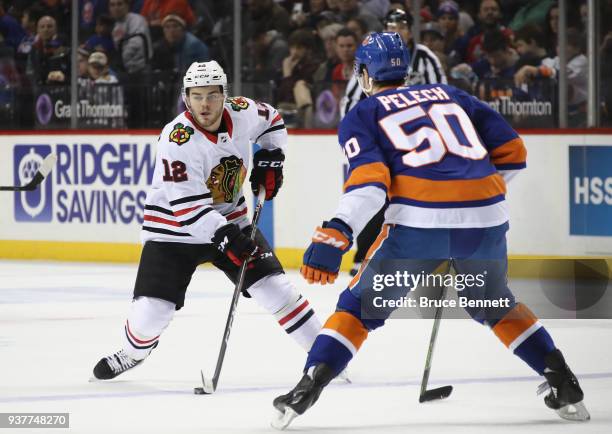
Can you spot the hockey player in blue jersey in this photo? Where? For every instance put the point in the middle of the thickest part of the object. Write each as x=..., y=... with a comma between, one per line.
x=442, y=159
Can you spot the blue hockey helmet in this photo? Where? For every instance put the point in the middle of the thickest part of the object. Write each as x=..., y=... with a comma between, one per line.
x=384, y=55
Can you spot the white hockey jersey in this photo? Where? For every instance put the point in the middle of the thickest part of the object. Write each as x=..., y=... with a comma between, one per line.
x=198, y=177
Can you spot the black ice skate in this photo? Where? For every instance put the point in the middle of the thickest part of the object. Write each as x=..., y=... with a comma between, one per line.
x=565, y=395
x=302, y=397
x=113, y=365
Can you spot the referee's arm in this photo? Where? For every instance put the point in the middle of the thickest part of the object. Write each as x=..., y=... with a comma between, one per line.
x=352, y=95
x=429, y=65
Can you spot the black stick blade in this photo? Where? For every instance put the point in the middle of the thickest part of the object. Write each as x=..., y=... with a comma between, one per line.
x=433, y=394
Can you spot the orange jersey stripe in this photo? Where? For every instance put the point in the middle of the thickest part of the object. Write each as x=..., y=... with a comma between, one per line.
x=511, y=152
x=348, y=326
x=371, y=172
x=382, y=236
x=454, y=190
x=514, y=323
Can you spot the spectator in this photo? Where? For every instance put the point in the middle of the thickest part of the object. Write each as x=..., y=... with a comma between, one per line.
x=534, y=12
x=267, y=15
x=351, y=8
x=346, y=44
x=89, y=11
x=298, y=70
x=11, y=33
x=98, y=69
x=551, y=28
x=48, y=61
x=317, y=11
x=529, y=43
x=60, y=10
x=432, y=38
x=179, y=48
x=499, y=60
x=334, y=5
x=131, y=36
x=448, y=18
x=584, y=14
x=28, y=21
x=83, y=63
x=269, y=50
x=489, y=18
x=465, y=18
x=101, y=87
x=495, y=70
x=328, y=35
x=155, y=10
x=577, y=69
x=298, y=64
x=102, y=40
x=133, y=44
x=358, y=26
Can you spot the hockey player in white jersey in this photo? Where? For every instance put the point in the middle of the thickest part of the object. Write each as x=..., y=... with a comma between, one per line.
x=195, y=213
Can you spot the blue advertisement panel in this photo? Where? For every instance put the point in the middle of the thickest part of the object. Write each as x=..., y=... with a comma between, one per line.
x=91, y=183
x=590, y=190
x=37, y=205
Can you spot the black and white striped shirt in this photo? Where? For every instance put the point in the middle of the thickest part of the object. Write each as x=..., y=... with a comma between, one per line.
x=425, y=68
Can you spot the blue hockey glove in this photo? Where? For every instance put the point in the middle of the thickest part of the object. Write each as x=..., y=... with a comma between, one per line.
x=323, y=257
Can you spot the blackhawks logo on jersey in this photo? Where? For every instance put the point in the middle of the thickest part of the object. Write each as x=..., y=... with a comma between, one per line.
x=238, y=103
x=181, y=134
x=226, y=179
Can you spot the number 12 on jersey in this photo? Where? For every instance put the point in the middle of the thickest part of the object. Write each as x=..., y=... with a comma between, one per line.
x=178, y=172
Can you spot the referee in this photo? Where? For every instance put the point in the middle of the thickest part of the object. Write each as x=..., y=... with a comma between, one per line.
x=425, y=68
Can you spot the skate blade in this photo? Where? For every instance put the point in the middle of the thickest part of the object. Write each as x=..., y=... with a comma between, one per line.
x=342, y=378
x=283, y=419
x=574, y=412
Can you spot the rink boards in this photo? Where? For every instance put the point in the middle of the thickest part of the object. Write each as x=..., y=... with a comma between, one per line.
x=90, y=208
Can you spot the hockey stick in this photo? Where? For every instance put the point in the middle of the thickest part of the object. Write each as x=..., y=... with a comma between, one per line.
x=39, y=176
x=439, y=392
x=209, y=386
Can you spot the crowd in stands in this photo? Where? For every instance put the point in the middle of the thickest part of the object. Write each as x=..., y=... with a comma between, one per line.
x=296, y=54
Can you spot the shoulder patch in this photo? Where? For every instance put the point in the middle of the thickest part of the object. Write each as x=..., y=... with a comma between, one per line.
x=238, y=103
x=181, y=134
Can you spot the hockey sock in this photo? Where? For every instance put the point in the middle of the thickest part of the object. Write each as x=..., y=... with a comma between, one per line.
x=292, y=311
x=337, y=342
x=146, y=321
x=522, y=333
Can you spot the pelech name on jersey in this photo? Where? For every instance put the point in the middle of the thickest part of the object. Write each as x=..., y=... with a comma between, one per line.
x=404, y=99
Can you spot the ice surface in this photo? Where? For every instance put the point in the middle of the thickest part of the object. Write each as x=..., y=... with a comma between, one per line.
x=57, y=320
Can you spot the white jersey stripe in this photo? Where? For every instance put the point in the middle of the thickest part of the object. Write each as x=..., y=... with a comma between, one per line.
x=344, y=341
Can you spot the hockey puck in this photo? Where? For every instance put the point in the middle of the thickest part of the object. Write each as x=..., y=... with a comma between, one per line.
x=199, y=391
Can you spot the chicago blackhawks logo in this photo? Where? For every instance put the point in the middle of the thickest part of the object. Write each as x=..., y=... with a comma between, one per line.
x=226, y=179
x=181, y=134
x=238, y=103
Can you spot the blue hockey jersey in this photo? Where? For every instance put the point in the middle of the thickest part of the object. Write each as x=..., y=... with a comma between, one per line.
x=439, y=156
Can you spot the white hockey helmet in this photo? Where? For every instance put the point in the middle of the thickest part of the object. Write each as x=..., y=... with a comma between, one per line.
x=205, y=74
